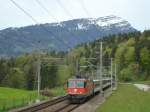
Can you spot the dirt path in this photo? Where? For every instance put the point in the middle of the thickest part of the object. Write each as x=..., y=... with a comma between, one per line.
x=142, y=87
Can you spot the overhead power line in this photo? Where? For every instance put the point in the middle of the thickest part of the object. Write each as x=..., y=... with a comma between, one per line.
x=46, y=10
x=18, y=6
x=44, y=28
x=63, y=7
x=84, y=8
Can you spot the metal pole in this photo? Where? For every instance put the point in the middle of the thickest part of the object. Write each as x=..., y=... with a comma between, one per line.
x=111, y=73
x=92, y=74
x=115, y=76
x=39, y=76
x=77, y=68
x=101, y=64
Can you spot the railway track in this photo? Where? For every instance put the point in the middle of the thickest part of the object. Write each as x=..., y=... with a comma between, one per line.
x=65, y=107
x=41, y=106
x=60, y=104
x=68, y=108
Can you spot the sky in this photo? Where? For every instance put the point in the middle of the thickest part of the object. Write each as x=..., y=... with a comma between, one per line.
x=137, y=12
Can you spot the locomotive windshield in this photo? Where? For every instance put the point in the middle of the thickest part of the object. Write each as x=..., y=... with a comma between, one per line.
x=75, y=84
x=71, y=84
x=80, y=84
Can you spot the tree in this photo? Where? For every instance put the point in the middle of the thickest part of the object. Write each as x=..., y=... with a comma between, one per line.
x=129, y=55
x=129, y=73
x=3, y=69
x=145, y=60
x=125, y=74
x=16, y=79
x=49, y=75
x=119, y=55
x=146, y=33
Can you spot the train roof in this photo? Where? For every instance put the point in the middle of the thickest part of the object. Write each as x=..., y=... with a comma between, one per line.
x=78, y=79
x=83, y=79
x=96, y=80
x=107, y=78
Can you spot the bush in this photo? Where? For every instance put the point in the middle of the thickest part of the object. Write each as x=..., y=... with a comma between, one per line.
x=125, y=75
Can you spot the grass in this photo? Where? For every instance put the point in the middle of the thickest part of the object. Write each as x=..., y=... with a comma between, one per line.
x=127, y=99
x=12, y=98
x=58, y=91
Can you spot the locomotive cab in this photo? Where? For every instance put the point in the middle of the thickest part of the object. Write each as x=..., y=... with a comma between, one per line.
x=76, y=86
x=79, y=89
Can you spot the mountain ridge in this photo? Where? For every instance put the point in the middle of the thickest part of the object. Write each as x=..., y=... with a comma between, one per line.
x=16, y=41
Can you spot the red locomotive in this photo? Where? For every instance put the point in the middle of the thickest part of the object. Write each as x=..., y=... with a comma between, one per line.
x=79, y=89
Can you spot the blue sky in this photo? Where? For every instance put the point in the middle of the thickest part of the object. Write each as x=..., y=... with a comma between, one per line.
x=137, y=12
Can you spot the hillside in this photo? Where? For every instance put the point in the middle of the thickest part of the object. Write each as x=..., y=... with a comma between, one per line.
x=55, y=36
x=131, y=53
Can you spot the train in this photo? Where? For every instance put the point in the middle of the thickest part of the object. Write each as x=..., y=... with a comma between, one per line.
x=80, y=89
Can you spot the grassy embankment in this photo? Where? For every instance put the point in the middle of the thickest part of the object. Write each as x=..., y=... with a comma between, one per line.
x=57, y=91
x=12, y=98
x=127, y=99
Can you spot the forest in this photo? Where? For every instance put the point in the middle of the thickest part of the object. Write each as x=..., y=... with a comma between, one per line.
x=130, y=52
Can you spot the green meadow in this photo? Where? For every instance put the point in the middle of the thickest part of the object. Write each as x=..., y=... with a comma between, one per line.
x=13, y=98
x=127, y=98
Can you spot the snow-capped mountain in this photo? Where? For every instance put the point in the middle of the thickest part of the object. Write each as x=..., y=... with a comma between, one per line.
x=110, y=20
x=60, y=36
x=103, y=22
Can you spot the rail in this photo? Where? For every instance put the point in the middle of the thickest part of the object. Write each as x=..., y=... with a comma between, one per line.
x=41, y=105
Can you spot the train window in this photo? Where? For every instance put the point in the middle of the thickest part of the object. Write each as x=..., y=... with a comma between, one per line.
x=71, y=84
x=80, y=84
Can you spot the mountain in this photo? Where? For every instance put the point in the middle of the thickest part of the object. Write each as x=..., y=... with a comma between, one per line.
x=59, y=36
